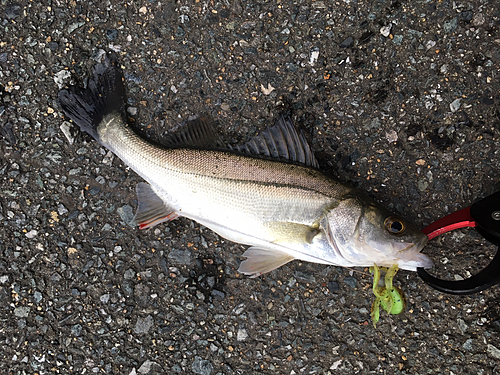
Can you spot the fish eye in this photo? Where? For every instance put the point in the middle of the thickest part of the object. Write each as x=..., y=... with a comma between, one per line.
x=394, y=225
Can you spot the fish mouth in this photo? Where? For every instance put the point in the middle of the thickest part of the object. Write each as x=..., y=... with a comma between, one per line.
x=409, y=247
x=412, y=258
x=414, y=247
x=420, y=244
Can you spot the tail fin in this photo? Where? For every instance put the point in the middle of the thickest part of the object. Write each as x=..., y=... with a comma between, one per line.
x=105, y=93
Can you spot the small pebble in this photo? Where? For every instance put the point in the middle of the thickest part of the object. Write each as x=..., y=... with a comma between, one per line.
x=37, y=296
x=450, y=25
x=391, y=136
x=129, y=274
x=127, y=215
x=179, y=257
x=467, y=344
x=201, y=366
x=145, y=367
x=22, y=311
x=242, y=334
x=398, y=39
x=455, y=105
x=76, y=330
x=313, y=58
x=61, y=78
x=493, y=351
x=348, y=42
x=351, y=281
x=143, y=325
x=31, y=234
x=333, y=286
x=386, y=30
x=66, y=130
x=111, y=34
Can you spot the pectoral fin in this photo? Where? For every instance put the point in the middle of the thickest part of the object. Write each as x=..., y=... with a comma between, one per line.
x=287, y=232
x=260, y=261
x=151, y=209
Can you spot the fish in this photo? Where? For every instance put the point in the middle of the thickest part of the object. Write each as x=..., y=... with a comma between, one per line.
x=268, y=194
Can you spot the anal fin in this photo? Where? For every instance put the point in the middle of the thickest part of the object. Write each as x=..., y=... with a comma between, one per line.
x=261, y=260
x=151, y=209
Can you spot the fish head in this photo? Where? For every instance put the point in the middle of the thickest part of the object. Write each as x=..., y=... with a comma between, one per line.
x=365, y=233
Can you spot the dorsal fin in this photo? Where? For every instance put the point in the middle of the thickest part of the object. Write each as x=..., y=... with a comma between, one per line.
x=281, y=141
x=196, y=132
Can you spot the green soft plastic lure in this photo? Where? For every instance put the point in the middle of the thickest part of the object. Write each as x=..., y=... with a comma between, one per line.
x=390, y=298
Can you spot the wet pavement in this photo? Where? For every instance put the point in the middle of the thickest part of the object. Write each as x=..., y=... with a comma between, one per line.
x=398, y=98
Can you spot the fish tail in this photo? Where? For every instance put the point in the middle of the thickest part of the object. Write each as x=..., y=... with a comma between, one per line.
x=104, y=95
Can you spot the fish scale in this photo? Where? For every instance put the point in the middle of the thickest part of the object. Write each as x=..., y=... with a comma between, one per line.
x=270, y=191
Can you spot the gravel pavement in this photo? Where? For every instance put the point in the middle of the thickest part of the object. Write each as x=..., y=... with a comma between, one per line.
x=399, y=98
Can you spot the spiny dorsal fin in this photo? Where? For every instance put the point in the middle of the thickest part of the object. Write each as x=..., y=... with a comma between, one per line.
x=196, y=132
x=281, y=141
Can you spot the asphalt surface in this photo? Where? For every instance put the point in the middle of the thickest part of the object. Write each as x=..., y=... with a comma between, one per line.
x=398, y=98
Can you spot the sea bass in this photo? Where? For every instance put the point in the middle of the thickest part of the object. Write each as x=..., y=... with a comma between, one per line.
x=267, y=194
